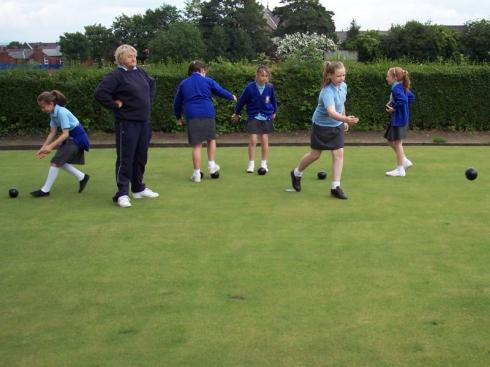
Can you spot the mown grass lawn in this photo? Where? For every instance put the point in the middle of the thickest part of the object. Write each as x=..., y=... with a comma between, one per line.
x=238, y=272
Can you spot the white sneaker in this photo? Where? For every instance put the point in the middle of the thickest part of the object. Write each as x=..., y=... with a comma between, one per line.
x=123, y=201
x=397, y=172
x=264, y=166
x=213, y=169
x=250, y=168
x=407, y=163
x=196, y=179
x=146, y=193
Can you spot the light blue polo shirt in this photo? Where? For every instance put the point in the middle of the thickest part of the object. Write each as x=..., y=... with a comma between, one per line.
x=330, y=96
x=62, y=117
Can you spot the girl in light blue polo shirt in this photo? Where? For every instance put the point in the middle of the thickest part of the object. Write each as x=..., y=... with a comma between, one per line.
x=71, y=143
x=329, y=123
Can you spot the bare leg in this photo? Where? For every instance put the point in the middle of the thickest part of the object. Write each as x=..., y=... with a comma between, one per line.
x=196, y=156
x=252, y=143
x=211, y=150
x=337, y=164
x=308, y=159
x=264, y=144
x=400, y=154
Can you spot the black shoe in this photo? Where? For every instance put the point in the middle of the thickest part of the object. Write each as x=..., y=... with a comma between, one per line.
x=83, y=182
x=338, y=193
x=296, y=182
x=39, y=193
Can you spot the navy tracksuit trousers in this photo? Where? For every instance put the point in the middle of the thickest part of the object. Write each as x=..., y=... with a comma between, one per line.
x=132, y=143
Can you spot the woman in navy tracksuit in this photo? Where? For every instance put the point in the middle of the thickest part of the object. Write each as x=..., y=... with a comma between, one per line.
x=194, y=100
x=129, y=91
x=400, y=98
x=260, y=98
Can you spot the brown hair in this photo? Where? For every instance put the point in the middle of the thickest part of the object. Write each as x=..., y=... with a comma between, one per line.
x=329, y=68
x=196, y=67
x=263, y=68
x=54, y=96
x=400, y=75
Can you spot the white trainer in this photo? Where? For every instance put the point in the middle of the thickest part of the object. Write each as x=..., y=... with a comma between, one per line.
x=195, y=178
x=146, y=193
x=397, y=172
x=213, y=169
x=251, y=167
x=407, y=163
x=123, y=201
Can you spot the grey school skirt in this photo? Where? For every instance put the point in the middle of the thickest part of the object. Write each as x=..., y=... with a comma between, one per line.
x=69, y=152
x=396, y=132
x=255, y=126
x=327, y=138
x=201, y=129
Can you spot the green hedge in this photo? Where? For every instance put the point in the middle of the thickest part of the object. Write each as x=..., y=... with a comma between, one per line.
x=451, y=97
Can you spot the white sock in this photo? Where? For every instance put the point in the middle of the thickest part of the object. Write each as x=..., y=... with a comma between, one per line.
x=251, y=163
x=263, y=163
x=400, y=168
x=52, y=174
x=335, y=184
x=72, y=170
x=197, y=173
x=297, y=172
x=211, y=164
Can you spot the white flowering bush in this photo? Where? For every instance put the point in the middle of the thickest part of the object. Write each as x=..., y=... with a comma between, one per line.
x=305, y=46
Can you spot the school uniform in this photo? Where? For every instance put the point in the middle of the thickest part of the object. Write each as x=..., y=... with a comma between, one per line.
x=261, y=105
x=136, y=89
x=328, y=133
x=72, y=149
x=399, y=100
x=194, y=100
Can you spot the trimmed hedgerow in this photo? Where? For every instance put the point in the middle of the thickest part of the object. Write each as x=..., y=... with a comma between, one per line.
x=452, y=97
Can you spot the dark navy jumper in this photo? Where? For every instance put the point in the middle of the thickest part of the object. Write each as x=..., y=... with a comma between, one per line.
x=136, y=89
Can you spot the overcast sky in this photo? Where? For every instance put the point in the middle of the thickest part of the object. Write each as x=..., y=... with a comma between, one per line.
x=46, y=20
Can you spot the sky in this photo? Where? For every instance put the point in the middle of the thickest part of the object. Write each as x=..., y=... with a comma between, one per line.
x=46, y=20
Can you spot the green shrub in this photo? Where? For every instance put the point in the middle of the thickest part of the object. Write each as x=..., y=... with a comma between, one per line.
x=451, y=97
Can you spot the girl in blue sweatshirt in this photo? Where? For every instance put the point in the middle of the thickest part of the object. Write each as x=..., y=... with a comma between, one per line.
x=260, y=99
x=400, y=98
x=193, y=101
x=71, y=143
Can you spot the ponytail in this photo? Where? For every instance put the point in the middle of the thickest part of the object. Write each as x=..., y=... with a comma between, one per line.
x=329, y=68
x=54, y=96
x=401, y=75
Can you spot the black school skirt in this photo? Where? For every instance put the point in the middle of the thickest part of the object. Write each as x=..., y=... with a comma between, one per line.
x=327, y=138
x=201, y=129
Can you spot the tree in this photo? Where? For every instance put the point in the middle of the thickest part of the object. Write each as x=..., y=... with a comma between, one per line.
x=180, y=42
x=420, y=42
x=303, y=46
x=367, y=45
x=14, y=44
x=304, y=16
x=476, y=40
x=75, y=46
x=352, y=33
x=238, y=26
x=138, y=30
x=102, y=42
x=192, y=11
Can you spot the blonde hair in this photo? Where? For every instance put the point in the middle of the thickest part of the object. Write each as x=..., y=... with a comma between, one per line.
x=54, y=96
x=401, y=76
x=123, y=51
x=329, y=68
